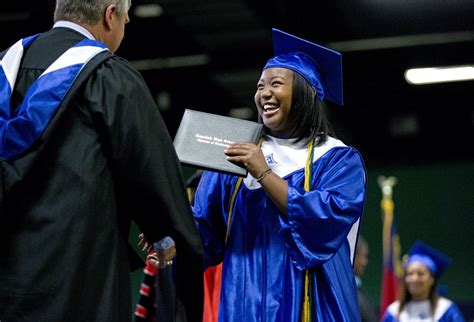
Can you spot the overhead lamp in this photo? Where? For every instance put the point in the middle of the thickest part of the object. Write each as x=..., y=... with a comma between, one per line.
x=149, y=10
x=418, y=76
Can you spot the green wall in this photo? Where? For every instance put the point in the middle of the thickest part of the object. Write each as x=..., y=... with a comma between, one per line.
x=433, y=203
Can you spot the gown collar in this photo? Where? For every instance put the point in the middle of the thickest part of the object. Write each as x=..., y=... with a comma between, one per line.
x=74, y=26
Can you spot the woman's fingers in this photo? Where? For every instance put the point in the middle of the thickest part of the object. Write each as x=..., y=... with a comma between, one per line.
x=239, y=147
x=248, y=154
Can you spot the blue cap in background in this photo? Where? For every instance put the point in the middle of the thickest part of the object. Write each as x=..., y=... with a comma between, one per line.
x=436, y=261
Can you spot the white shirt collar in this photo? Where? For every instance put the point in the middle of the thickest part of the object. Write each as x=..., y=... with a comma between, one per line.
x=74, y=26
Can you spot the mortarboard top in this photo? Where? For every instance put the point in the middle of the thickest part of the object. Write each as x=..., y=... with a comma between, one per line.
x=320, y=66
x=436, y=261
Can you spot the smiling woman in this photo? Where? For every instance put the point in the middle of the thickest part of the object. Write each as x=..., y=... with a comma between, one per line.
x=419, y=281
x=419, y=299
x=286, y=233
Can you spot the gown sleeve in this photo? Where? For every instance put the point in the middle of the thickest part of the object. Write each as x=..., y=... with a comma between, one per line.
x=318, y=221
x=148, y=180
x=211, y=196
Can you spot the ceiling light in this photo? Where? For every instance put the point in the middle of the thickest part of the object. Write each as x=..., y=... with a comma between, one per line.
x=417, y=76
x=150, y=10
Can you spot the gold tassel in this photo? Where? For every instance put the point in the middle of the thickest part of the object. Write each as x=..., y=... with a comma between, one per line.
x=305, y=314
x=306, y=311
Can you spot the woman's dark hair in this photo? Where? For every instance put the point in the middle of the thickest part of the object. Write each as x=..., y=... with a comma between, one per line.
x=309, y=120
x=406, y=297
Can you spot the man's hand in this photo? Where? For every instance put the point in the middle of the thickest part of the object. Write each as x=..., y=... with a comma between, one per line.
x=160, y=254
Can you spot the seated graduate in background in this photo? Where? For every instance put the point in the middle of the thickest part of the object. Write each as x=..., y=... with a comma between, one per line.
x=419, y=299
x=286, y=233
x=367, y=310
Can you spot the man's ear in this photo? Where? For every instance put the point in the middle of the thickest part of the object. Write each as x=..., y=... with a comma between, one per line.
x=110, y=14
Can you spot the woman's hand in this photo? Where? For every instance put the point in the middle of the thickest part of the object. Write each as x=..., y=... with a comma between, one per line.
x=253, y=159
x=249, y=154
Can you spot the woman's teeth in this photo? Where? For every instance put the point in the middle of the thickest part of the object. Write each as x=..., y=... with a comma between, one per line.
x=269, y=107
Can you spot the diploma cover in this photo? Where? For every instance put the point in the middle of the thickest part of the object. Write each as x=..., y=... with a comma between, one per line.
x=202, y=137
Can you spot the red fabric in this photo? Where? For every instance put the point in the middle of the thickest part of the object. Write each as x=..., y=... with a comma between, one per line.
x=389, y=289
x=212, y=293
x=392, y=270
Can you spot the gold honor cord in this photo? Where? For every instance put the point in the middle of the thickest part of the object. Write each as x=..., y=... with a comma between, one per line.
x=190, y=191
x=307, y=299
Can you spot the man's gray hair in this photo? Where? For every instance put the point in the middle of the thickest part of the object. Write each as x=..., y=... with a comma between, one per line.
x=86, y=11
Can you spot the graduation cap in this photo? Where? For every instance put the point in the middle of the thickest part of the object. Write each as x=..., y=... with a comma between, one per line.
x=320, y=66
x=436, y=261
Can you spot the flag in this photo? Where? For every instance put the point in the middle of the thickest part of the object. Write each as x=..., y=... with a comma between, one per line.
x=392, y=268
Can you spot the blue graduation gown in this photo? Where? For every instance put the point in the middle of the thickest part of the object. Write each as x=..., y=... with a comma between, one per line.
x=266, y=253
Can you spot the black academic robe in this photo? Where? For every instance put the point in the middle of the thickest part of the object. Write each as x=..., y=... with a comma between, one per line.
x=105, y=159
